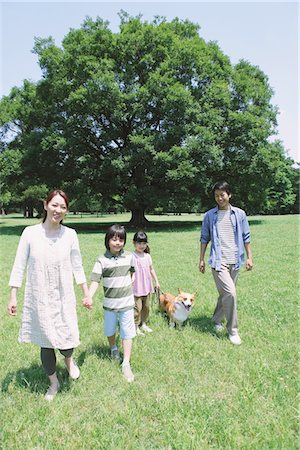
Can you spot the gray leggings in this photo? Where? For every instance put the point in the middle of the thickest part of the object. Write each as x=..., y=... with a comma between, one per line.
x=48, y=358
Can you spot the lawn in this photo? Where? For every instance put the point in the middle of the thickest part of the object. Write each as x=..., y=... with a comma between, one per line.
x=193, y=389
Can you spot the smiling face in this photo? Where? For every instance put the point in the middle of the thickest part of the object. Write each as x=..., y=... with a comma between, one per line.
x=56, y=209
x=222, y=198
x=140, y=247
x=115, y=244
x=186, y=299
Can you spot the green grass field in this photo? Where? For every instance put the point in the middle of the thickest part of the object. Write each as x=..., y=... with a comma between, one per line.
x=193, y=390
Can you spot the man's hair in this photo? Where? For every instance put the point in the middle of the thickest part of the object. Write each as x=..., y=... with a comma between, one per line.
x=221, y=186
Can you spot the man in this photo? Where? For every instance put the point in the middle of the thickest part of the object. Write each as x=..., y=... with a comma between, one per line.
x=227, y=228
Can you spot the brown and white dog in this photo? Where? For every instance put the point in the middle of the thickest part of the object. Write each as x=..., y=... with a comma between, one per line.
x=177, y=308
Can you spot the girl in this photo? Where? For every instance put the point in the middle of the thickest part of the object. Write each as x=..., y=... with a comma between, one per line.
x=50, y=251
x=116, y=269
x=142, y=285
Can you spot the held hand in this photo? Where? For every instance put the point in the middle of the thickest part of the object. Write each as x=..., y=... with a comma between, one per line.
x=202, y=266
x=12, y=307
x=87, y=302
x=157, y=285
x=249, y=264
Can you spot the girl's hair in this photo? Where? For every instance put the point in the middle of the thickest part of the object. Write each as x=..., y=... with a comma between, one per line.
x=140, y=236
x=115, y=230
x=50, y=197
x=221, y=186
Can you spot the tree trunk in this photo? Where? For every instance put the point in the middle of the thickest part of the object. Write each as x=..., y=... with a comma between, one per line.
x=138, y=218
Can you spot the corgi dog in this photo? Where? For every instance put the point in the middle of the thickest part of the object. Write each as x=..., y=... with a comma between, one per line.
x=177, y=308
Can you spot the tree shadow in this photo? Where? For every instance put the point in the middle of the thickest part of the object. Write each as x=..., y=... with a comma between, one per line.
x=35, y=380
x=101, y=227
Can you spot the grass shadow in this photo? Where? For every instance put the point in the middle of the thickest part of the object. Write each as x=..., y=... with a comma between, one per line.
x=204, y=324
x=101, y=351
x=34, y=379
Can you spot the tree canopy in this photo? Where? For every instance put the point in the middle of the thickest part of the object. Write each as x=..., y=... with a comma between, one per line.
x=148, y=117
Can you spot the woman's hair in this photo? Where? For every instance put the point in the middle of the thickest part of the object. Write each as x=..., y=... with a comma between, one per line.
x=221, y=186
x=50, y=197
x=115, y=230
x=140, y=236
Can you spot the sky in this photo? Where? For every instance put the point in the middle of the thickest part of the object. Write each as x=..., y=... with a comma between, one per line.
x=264, y=33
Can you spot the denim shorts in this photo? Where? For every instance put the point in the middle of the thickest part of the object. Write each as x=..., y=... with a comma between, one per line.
x=126, y=321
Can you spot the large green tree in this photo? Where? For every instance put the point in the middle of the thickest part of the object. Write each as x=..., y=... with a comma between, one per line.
x=150, y=116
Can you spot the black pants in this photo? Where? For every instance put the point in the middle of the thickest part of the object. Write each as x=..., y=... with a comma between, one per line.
x=48, y=358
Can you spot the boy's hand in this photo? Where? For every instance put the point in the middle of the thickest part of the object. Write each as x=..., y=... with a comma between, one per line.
x=87, y=302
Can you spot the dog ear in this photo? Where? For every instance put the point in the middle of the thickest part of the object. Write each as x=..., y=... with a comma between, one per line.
x=179, y=290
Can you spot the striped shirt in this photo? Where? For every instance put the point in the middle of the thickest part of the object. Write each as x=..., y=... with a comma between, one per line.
x=115, y=272
x=226, y=235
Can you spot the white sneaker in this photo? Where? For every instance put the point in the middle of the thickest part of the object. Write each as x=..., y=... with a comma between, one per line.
x=74, y=371
x=235, y=339
x=145, y=327
x=52, y=391
x=139, y=332
x=127, y=372
x=219, y=327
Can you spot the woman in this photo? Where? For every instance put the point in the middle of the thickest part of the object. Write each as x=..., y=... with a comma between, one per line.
x=51, y=253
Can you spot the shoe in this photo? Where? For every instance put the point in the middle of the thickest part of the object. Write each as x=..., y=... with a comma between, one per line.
x=51, y=392
x=74, y=371
x=145, y=327
x=115, y=355
x=139, y=332
x=219, y=327
x=235, y=339
x=127, y=372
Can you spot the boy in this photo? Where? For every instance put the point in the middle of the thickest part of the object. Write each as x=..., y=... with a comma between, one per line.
x=228, y=230
x=116, y=269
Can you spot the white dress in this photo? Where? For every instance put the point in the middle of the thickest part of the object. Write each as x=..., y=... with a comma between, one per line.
x=49, y=316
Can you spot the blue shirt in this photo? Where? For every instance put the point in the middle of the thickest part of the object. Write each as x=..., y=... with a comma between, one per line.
x=210, y=232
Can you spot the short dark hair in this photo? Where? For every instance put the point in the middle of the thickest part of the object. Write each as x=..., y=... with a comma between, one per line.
x=221, y=186
x=115, y=230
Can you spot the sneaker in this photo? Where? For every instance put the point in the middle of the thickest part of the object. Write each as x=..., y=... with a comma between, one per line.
x=74, y=371
x=115, y=355
x=235, y=339
x=127, y=372
x=145, y=327
x=139, y=332
x=219, y=327
x=51, y=392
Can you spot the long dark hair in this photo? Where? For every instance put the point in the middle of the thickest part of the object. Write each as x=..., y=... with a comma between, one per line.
x=50, y=197
x=115, y=230
x=141, y=236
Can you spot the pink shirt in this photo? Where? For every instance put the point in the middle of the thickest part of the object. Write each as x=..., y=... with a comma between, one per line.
x=143, y=282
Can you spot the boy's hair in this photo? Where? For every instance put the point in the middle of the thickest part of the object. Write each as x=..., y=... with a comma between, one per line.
x=115, y=230
x=221, y=186
x=141, y=236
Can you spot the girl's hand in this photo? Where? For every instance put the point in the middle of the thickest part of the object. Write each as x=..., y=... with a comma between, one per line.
x=157, y=285
x=87, y=302
x=12, y=307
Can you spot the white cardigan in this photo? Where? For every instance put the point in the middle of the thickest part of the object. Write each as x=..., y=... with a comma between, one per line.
x=49, y=316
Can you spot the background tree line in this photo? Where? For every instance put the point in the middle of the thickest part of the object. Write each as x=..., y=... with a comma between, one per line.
x=146, y=119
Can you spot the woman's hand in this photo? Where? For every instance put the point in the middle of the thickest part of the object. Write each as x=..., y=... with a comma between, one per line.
x=87, y=302
x=12, y=307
